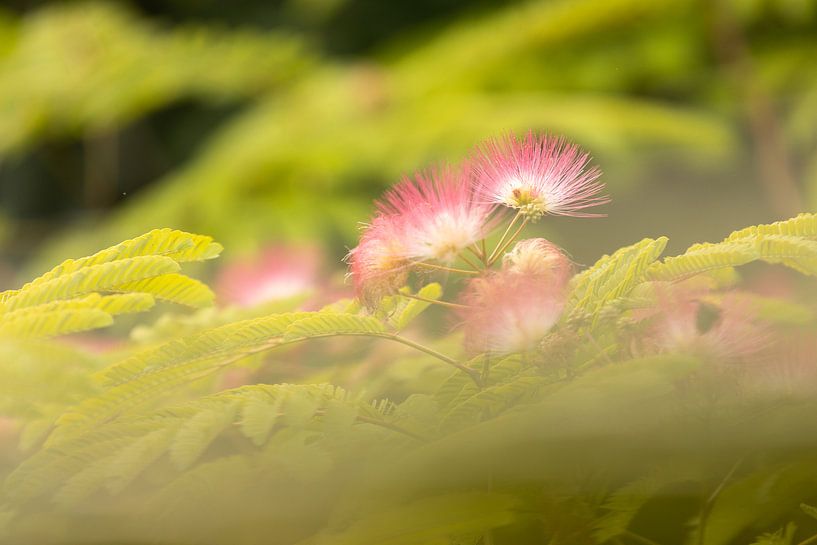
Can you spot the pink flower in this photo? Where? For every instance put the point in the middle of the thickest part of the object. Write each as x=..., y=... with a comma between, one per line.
x=537, y=256
x=722, y=331
x=538, y=175
x=508, y=312
x=439, y=214
x=276, y=273
x=788, y=366
x=378, y=265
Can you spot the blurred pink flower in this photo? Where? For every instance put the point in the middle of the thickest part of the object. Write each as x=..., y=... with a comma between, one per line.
x=537, y=175
x=787, y=367
x=537, y=256
x=725, y=332
x=274, y=274
x=507, y=312
x=438, y=214
x=378, y=265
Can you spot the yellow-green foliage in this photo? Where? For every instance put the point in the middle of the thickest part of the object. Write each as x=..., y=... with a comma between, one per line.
x=148, y=443
x=68, y=298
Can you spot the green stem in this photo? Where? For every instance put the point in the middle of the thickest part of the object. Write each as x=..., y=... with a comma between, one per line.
x=502, y=238
x=432, y=301
x=443, y=268
x=390, y=426
x=498, y=251
x=474, y=249
x=639, y=538
x=486, y=368
x=442, y=357
x=710, y=502
x=471, y=263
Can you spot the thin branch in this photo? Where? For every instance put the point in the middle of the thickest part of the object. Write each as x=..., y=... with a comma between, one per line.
x=639, y=538
x=390, y=426
x=443, y=268
x=502, y=238
x=471, y=263
x=710, y=502
x=510, y=241
x=442, y=357
x=432, y=301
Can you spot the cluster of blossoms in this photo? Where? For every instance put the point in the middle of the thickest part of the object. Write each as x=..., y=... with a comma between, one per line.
x=686, y=319
x=442, y=217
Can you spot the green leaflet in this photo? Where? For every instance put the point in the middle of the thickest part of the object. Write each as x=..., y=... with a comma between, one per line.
x=111, y=456
x=624, y=504
x=72, y=315
x=69, y=297
x=55, y=322
x=329, y=323
x=792, y=243
x=231, y=339
x=198, y=432
x=401, y=311
x=701, y=258
x=784, y=536
x=739, y=506
x=172, y=287
x=802, y=225
x=612, y=277
x=102, y=277
x=510, y=380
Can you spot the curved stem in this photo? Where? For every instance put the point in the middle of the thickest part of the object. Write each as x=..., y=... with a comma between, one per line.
x=471, y=263
x=432, y=301
x=498, y=251
x=390, y=426
x=502, y=238
x=710, y=502
x=443, y=268
x=472, y=373
x=442, y=357
x=639, y=538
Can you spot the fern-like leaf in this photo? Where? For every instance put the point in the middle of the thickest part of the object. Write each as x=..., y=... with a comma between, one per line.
x=95, y=278
x=173, y=287
x=321, y=324
x=613, y=276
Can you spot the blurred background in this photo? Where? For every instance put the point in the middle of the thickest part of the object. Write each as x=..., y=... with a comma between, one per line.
x=263, y=122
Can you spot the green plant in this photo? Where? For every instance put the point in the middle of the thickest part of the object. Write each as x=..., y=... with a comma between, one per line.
x=654, y=402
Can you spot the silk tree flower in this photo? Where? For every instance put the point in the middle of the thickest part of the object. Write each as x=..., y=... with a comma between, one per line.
x=378, y=265
x=684, y=321
x=538, y=175
x=787, y=367
x=506, y=312
x=439, y=214
x=276, y=273
x=537, y=256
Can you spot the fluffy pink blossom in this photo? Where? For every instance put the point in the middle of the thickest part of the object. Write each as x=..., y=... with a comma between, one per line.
x=378, y=265
x=507, y=312
x=538, y=175
x=684, y=321
x=438, y=213
x=788, y=366
x=276, y=273
x=537, y=256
